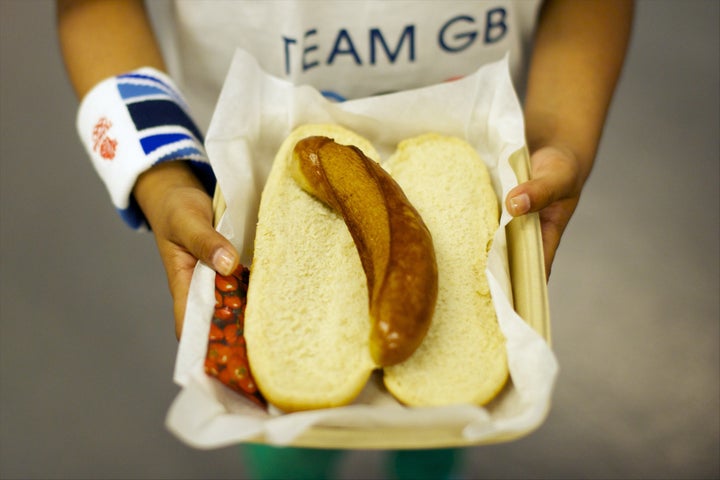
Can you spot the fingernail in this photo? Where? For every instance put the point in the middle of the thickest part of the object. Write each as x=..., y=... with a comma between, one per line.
x=223, y=261
x=520, y=204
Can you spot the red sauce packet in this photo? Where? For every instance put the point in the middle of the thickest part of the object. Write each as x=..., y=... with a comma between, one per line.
x=226, y=357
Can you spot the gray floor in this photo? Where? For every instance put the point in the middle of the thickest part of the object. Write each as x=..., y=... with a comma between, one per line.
x=87, y=349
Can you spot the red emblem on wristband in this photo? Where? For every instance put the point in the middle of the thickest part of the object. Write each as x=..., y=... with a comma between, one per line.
x=102, y=143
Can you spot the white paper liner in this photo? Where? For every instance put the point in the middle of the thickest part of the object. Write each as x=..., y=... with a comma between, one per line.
x=255, y=113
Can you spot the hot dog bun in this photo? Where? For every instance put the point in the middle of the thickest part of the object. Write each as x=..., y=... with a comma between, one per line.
x=462, y=358
x=307, y=319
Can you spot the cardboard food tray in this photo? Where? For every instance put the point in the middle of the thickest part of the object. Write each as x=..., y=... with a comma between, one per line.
x=530, y=299
x=254, y=114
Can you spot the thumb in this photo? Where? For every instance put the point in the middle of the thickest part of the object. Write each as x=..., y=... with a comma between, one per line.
x=555, y=175
x=206, y=244
x=194, y=241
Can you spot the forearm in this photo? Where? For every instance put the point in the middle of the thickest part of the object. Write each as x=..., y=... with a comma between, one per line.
x=102, y=38
x=578, y=55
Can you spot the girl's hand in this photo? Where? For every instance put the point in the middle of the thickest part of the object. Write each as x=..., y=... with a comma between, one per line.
x=553, y=192
x=180, y=214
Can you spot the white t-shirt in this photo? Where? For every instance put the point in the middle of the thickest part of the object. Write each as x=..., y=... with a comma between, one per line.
x=344, y=48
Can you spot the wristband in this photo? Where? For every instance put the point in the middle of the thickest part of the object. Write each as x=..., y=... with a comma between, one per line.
x=133, y=121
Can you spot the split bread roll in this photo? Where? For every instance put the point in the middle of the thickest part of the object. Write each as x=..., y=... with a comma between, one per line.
x=462, y=358
x=307, y=321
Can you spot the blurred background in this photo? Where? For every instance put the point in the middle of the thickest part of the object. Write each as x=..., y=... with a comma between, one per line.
x=86, y=332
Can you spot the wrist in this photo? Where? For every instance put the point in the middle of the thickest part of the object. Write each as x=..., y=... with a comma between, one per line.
x=549, y=132
x=136, y=121
x=159, y=180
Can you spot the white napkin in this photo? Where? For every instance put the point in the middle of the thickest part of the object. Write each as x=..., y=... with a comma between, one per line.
x=255, y=113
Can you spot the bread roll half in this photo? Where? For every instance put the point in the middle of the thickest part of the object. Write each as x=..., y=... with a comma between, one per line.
x=462, y=358
x=307, y=321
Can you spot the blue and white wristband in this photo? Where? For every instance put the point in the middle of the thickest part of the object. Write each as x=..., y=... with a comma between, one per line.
x=133, y=121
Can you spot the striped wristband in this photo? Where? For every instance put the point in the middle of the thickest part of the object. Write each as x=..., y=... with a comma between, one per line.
x=133, y=121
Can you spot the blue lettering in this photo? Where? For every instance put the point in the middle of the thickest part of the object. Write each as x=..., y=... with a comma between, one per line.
x=460, y=40
x=377, y=36
x=332, y=96
x=305, y=64
x=288, y=41
x=495, y=26
x=349, y=49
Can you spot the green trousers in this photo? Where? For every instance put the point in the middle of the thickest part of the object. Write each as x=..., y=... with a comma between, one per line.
x=264, y=462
